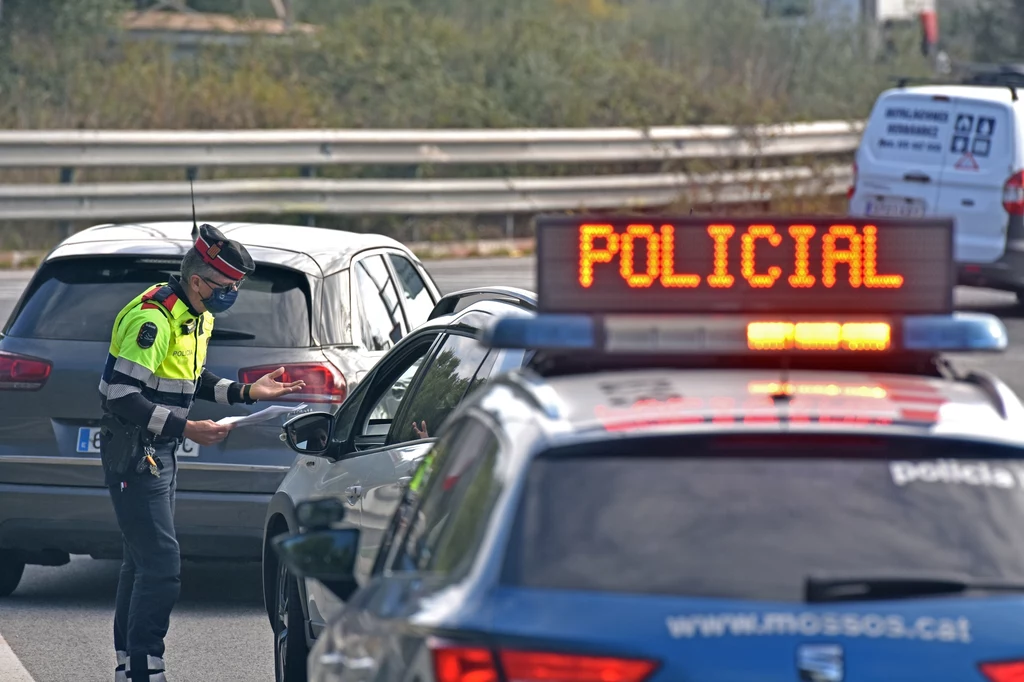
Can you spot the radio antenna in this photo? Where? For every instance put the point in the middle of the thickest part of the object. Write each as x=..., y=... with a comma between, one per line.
x=192, y=192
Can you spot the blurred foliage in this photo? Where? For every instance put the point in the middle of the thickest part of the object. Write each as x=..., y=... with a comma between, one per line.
x=437, y=63
x=987, y=31
x=443, y=63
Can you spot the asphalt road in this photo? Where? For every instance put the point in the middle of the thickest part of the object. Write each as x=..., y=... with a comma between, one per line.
x=58, y=622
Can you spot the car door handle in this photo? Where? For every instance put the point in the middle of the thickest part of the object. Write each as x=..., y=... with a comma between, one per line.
x=353, y=493
x=334, y=661
x=917, y=177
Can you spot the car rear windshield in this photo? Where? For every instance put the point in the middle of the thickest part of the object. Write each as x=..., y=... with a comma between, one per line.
x=752, y=519
x=78, y=299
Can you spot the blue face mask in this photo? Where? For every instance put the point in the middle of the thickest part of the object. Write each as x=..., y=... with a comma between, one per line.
x=220, y=299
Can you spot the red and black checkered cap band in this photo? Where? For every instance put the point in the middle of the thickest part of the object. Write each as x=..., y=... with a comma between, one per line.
x=214, y=256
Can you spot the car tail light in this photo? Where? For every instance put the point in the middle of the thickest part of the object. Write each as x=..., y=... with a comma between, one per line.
x=464, y=664
x=324, y=383
x=1011, y=671
x=1013, y=194
x=478, y=664
x=22, y=373
x=852, y=189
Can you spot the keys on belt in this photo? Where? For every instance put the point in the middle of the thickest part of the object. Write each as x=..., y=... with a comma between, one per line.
x=150, y=461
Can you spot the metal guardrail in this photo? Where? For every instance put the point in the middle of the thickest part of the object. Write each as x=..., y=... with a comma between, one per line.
x=153, y=149
x=304, y=196
x=308, y=149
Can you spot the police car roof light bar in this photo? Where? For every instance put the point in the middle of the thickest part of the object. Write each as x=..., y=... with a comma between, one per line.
x=730, y=335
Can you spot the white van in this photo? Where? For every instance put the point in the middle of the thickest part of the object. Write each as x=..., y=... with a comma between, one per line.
x=951, y=150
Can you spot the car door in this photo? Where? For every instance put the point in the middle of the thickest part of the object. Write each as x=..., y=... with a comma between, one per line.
x=438, y=390
x=361, y=429
x=979, y=162
x=901, y=155
x=433, y=541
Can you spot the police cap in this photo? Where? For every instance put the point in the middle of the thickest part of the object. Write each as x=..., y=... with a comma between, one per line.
x=226, y=256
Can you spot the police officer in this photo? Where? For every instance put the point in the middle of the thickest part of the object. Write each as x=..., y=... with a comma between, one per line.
x=154, y=371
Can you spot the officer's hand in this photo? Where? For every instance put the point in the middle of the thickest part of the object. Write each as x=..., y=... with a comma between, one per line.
x=206, y=432
x=267, y=387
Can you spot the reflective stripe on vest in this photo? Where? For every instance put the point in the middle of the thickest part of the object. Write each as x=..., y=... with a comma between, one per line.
x=171, y=366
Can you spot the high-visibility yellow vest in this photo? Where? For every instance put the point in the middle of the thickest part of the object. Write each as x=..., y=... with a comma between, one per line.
x=156, y=339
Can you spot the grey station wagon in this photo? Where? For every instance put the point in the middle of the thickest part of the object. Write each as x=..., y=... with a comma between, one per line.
x=325, y=304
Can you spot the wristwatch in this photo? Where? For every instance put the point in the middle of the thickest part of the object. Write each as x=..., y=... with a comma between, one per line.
x=245, y=395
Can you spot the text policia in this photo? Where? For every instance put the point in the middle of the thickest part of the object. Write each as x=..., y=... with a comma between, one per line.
x=601, y=243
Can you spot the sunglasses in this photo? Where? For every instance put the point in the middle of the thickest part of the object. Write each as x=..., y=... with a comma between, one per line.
x=223, y=288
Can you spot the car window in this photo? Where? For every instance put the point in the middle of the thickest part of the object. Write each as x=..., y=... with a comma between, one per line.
x=415, y=294
x=77, y=299
x=745, y=518
x=444, y=383
x=458, y=496
x=381, y=320
x=378, y=422
x=335, y=319
x=375, y=391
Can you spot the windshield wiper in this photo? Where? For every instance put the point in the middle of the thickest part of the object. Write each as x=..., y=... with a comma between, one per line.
x=853, y=588
x=231, y=334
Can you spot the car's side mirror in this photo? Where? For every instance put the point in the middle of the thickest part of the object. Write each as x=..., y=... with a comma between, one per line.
x=309, y=434
x=320, y=551
x=320, y=513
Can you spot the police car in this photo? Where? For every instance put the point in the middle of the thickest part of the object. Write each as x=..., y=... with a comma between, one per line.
x=737, y=454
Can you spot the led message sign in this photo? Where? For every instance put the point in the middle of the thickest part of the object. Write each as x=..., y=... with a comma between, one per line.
x=826, y=265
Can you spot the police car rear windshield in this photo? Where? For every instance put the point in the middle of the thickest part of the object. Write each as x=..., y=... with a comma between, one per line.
x=753, y=518
x=78, y=299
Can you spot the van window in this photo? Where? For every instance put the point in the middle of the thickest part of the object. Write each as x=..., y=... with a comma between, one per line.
x=980, y=139
x=910, y=129
x=77, y=299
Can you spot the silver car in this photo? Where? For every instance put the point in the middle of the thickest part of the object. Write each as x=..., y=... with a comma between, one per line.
x=367, y=453
x=325, y=304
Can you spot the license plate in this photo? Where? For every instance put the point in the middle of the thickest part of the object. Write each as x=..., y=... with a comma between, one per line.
x=895, y=208
x=89, y=443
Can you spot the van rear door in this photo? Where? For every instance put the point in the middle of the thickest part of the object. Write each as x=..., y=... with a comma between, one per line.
x=902, y=154
x=978, y=161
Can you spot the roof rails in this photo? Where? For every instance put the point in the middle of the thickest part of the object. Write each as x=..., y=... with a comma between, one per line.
x=1009, y=76
x=449, y=302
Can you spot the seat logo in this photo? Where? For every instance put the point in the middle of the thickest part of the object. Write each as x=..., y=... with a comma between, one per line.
x=820, y=662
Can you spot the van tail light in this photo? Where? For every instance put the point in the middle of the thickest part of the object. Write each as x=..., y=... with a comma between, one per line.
x=852, y=189
x=478, y=664
x=324, y=382
x=1009, y=671
x=22, y=373
x=1013, y=194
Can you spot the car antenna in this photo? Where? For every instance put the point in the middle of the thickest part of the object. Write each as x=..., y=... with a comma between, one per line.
x=195, y=225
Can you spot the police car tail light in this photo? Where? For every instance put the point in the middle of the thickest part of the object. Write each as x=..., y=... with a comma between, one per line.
x=1004, y=671
x=456, y=663
x=464, y=664
x=527, y=666
x=1013, y=194
x=818, y=335
x=324, y=382
x=22, y=373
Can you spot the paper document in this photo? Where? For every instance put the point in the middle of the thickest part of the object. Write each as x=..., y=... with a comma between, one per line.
x=263, y=415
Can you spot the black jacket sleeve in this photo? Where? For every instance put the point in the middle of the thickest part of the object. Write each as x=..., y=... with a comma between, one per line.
x=223, y=391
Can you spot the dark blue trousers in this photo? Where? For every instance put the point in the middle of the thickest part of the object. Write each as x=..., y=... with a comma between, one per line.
x=150, y=579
